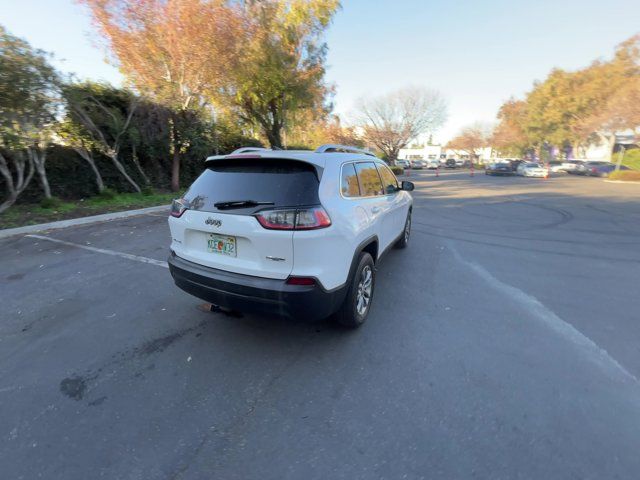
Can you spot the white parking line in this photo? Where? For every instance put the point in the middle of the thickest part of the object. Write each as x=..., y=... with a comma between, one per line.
x=128, y=256
x=532, y=305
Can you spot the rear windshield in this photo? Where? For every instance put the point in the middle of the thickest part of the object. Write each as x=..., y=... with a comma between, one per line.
x=284, y=183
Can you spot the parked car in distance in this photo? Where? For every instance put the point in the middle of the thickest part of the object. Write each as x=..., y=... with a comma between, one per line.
x=556, y=166
x=571, y=165
x=515, y=163
x=432, y=164
x=578, y=167
x=403, y=163
x=532, y=169
x=499, y=168
x=450, y=163
x=418, y=164
x=584, y=168
x=567, y=166
x=603, y=170
x=282, y=232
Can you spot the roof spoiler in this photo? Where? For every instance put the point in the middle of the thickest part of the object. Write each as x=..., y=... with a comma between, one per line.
x=327, y=148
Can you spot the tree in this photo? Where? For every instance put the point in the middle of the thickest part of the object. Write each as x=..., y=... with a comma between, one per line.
x=28, y=102
x=391, y=121
x=561, y=109
x=509, y=136
x=176, y=52
x=76, y=136
x=472, y=139
x=575, y=109
x=618, y=82
x=282, y=63
x=105, y=114
x=312, y=132
x=622, y=111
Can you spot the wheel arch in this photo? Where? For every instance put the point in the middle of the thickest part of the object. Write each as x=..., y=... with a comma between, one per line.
x=371, y=245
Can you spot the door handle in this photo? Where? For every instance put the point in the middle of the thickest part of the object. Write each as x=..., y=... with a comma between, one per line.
x=375, y=210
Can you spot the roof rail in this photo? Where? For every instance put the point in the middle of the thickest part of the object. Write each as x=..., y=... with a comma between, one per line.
x=249, y=150
x=333, y=148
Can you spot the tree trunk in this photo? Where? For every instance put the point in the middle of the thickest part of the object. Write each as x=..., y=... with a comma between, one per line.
x=392, y=155
x=175, y=170
x=38, y=158
x=88, y=157
x=134, y=156
x=120, y=168
x=15, y=186
x=175, y=160
x=274, y=136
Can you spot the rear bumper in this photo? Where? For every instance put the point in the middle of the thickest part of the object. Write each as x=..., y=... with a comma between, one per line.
x=250, y=294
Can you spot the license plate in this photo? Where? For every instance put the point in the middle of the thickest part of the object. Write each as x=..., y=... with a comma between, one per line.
x=222, y=244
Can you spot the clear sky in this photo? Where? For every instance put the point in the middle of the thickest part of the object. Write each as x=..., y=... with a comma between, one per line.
x=478, y=53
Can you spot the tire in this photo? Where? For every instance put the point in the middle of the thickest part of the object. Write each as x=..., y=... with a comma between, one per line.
x=357, y=304
x=404, y=239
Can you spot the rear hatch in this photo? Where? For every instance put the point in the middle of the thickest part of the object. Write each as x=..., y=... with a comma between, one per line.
x=219, y=228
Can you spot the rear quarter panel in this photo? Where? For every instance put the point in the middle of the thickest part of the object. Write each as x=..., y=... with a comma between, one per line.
x=327, y=253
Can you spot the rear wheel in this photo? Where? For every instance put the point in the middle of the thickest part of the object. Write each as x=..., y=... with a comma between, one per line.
x=357, y=303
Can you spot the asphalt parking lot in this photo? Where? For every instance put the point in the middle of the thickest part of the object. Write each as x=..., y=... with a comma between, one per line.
x=503, y=343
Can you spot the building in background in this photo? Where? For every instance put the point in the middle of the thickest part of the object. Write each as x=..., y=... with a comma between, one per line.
x=420, y=152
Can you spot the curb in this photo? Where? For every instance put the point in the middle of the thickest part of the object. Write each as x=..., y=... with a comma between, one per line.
x=9, y=232
x=623, y=181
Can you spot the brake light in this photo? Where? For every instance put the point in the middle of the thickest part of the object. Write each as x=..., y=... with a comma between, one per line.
x=302, y=219
x=277, y=219
x=312, y=218
x=301, y=281
x=178, y=207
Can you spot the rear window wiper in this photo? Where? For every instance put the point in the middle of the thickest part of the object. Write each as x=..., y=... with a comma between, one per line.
x=239, y=204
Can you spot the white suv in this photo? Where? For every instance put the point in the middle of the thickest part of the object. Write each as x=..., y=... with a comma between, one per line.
x=290, y=233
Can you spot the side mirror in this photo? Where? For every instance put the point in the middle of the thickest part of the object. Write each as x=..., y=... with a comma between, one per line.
x=407, y=186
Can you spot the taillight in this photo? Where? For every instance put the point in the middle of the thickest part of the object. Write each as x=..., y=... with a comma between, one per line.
x=312, y=218
x=302, y=219
x=277, y=219
x=178, y=207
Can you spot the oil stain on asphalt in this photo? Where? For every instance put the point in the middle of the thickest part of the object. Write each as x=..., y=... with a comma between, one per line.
x=76, y=386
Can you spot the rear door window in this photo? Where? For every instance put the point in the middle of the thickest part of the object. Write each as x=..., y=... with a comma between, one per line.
x=369, y=180
x=349, y=183
x=389, y=181
x=283, y=183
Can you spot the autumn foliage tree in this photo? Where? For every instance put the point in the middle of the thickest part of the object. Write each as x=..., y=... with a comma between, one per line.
x=574, y=109
x=282, y=63
x=256, y=60
x=472, y=139
x=509, y=136
x=176, y=52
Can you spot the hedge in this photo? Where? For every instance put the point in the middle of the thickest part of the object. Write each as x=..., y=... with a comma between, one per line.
x=71, y=178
